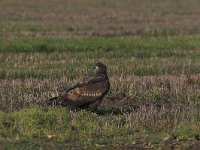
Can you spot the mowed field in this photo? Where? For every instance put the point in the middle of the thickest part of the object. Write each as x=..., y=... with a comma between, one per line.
x=151, y=49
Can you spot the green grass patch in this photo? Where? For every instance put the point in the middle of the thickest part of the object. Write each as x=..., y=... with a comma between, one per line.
x=37, y=128
x=142, y=48
x=62, y=126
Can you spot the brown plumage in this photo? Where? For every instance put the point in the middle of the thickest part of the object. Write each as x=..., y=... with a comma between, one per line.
x=87, y=93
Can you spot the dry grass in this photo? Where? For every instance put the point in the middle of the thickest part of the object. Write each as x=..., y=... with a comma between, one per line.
x=69, y=19
x=172, y=95
x=146, y=111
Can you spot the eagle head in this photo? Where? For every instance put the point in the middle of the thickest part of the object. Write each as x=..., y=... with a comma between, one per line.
x=100, y=68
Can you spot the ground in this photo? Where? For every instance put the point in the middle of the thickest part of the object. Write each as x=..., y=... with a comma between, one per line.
x=152, y=51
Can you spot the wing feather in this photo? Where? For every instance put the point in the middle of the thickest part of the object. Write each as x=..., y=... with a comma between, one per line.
x=83, y=94
x=86, y=81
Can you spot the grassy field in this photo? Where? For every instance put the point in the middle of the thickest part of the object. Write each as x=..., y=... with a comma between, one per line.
x=152, y=51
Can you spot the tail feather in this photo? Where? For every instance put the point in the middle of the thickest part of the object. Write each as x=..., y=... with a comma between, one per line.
x=53, y=101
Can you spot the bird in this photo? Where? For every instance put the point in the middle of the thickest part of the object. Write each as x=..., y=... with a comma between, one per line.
x=87, y=93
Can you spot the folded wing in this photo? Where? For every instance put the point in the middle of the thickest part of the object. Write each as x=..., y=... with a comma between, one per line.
x=86, y=91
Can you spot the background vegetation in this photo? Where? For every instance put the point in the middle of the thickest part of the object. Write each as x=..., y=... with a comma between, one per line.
x=152, y=51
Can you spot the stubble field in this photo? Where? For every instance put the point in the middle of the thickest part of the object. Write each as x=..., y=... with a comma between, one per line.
x=152, y=52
